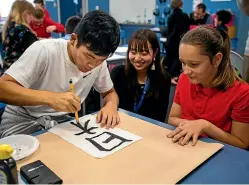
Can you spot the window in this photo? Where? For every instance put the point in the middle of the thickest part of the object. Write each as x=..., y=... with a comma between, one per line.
x=5, y=6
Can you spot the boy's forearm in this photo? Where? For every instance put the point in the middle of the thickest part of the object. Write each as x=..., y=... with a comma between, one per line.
x=14, y=94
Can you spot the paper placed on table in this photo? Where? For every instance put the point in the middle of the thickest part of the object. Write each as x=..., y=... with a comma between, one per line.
x=96, y=141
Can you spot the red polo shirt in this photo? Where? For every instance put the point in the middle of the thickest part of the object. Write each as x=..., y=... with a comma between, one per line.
x=41, y=29
x=47, y=15
x=216, y=106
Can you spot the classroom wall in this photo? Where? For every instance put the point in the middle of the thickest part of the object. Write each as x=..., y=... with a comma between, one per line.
x=68, y=8
x=79, y=8
x=103, y=5
x=131, y=28
x=131, y=9
x=52, y=7
x=187, y=6
x=241, y=22
x=242, y=33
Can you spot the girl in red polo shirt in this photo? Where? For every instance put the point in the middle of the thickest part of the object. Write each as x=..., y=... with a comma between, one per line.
x=40, y=4
x=43, y=27
x=210, y=98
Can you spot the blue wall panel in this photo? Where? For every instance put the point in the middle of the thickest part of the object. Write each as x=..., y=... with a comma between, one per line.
x=103, y=5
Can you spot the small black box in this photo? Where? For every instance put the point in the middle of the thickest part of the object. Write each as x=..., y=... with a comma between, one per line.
x=38, y=173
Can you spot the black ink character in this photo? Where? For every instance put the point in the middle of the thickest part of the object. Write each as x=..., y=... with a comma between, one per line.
x=85, y=129
x=110, y=138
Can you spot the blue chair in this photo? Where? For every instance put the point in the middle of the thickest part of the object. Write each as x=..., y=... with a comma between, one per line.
x=237, y=62
x=171, y=100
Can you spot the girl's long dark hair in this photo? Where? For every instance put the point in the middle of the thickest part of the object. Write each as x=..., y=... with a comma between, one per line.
x=139, y=41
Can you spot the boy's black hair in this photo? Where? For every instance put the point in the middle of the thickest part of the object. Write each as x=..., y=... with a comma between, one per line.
x=39, y=2
x=224, y=16
x=202, y=6
x=99, y=32
x=71, y=23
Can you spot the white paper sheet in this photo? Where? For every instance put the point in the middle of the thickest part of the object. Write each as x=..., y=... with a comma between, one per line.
x=96, y=141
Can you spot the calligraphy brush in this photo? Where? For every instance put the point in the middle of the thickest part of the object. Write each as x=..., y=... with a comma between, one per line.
x=76, y=113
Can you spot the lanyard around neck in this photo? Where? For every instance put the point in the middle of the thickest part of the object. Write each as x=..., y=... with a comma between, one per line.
x=145, y=90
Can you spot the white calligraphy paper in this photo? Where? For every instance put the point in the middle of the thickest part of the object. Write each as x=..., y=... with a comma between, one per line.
x=96, y=141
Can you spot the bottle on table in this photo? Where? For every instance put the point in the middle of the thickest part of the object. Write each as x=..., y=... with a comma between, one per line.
x=8, y=169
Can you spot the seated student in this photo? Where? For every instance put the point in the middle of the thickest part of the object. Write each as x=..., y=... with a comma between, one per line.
x=36, y=87
x=17, y=36
x=70, y=26
x=223, y=17
x=40, y=4
x=44, y=26
x=142, y=84
x=210, y=98
x=200, y=16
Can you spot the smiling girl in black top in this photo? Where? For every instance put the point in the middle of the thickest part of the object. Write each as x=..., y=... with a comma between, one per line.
x=142, y=84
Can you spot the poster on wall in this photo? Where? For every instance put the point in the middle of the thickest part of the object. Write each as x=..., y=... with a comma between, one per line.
x=196, y=2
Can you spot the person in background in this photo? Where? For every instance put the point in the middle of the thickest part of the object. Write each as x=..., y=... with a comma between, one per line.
x=200, y=16
x=223, y=17
x=210, y=99
x=178, y=25
x=17, y=35
x=143, y=85
x=43, y=27
x=70, y=25
x=40, y=4
x=36, y=87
